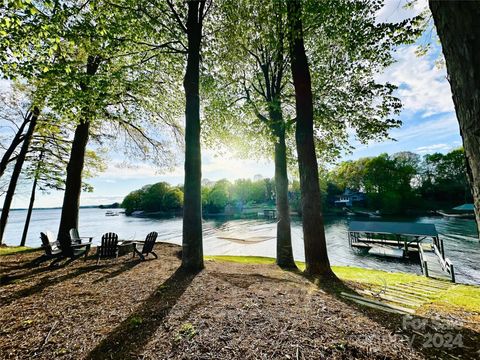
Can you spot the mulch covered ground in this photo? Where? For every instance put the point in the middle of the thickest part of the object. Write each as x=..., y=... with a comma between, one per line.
x=125, y=308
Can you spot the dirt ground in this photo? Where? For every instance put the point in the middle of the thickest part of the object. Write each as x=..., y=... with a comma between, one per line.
x=127, y=309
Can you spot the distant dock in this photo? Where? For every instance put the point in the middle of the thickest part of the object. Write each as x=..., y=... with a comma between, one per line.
x=398, y=239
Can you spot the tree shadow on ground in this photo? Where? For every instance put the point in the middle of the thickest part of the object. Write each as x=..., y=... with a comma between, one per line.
x=431, y=337
x=7, y=266
x=125, y=267
x=44, y=283
x=130, y=337
x=10, y=276
x=245, y=282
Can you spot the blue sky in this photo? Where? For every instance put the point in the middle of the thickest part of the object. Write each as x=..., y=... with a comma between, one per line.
x=429, y=125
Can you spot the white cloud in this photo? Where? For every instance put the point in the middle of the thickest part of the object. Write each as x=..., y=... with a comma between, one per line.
x=438, y=128
x=433, y=148
x=394, y=10
x=423, y=87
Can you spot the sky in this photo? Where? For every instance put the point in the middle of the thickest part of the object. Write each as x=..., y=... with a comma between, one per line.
x=429, y=125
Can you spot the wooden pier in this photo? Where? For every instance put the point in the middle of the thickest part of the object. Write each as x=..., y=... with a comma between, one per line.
x=396, y=239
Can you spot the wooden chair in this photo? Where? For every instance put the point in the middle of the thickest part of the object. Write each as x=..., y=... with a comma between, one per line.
x=109, y=247
x=76, y=238
x=50, y=246
x=53, y=250
x=147, y=246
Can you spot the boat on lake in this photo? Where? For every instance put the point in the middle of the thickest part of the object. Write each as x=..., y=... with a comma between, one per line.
x=111, y=213
x=370, y=214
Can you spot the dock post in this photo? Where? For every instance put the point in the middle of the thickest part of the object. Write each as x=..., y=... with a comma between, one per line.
x=452, y=272
x=443, y=250
x=425, y=268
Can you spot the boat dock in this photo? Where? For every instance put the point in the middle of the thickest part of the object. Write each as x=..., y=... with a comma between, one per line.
x=398, y=239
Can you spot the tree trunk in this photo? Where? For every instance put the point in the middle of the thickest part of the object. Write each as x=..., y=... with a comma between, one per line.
x=16, y=172
x=32, y=200
x=458, y=27
x=15, y=142
x=316, y=256
x=29, y=213
x=284, y=236
x=73, y=186
x=192, y=252
x=73, y=182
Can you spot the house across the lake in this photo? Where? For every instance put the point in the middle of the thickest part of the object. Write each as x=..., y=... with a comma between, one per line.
x=350, y=198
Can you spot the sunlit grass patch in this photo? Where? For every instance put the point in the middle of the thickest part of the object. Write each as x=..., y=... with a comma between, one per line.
x=466, y=297
x=8, y=250
x=373, y=277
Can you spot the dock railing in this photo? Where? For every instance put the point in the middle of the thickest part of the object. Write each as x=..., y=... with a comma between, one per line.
x=445, y=263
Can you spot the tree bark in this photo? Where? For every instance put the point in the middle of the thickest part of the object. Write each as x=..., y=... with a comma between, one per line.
x=73, y=182
x=458, y=27
x=192, y=247
x=284, y=237
x=32, y=200
x=16, y=172
x=73, y=186
x=29, y=213
x=316, y=257
x=14, y=144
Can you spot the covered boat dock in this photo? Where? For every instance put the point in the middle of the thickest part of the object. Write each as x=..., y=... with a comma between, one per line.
x=397, y=239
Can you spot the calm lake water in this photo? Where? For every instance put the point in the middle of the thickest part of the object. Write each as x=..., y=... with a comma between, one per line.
x=459, y=236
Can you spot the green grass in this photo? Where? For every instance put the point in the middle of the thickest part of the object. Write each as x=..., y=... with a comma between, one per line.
x=457, y=297
x=373, y=277
x=466, y=297
x=8, y=250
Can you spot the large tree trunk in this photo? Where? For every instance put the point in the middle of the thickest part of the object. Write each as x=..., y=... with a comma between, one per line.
x=192, y=252
x=458, y=27
x=18, y=138
x=73, y=182
x=316, y=256
x=16, y=172
x=284, y=236
x=73, y=186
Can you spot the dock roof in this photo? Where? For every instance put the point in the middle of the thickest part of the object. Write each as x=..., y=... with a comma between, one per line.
x=464, y=207
x=397, y=228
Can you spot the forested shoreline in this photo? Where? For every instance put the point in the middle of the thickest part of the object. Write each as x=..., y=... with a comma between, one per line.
x=403, y=183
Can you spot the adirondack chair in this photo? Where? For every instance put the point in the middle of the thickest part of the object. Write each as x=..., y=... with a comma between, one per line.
x=109, y=247
x=76, y=238
x=53, y=250
x=147, y=246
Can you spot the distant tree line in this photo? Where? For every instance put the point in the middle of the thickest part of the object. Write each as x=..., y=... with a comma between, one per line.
x=404, y=181
x=159, y=197
x=162, y=197
x=395, y=184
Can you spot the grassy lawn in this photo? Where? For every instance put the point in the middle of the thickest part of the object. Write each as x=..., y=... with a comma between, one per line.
x=457, y=298
x=8, y=250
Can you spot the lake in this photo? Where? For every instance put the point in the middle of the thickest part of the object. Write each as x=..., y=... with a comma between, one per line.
x=459, y=236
